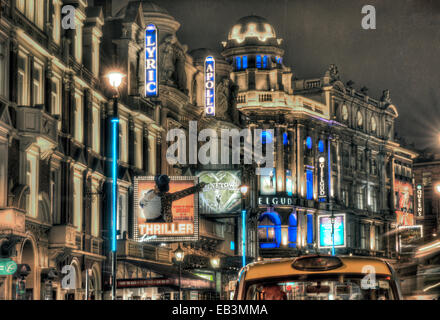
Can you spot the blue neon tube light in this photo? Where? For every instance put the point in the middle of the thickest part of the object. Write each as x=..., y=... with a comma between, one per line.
x=115, y=179
x=243, y=235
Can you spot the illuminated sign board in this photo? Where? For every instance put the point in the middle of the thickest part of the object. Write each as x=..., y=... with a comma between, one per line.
x=419, y=196
x=149, y=222
x=325, y=231
x=322, y=185
x=221, y=193
x=7, y=267
x=210, y=86
x=275, y=201
x=268, y=185
x=151, y=83
x=404, y=200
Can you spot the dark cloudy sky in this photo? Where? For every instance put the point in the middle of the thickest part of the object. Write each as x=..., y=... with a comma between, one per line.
x=402, y=54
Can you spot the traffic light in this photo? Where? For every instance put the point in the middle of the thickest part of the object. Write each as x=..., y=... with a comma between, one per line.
x=7, y=249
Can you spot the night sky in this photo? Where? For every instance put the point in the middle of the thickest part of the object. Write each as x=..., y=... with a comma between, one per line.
x=402, y=54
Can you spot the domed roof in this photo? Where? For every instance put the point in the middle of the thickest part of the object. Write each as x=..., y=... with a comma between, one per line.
x=150, y=6
x=252, y=27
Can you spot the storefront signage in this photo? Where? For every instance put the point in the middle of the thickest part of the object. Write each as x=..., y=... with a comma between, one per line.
x=221, y=193
x=149, y=222
x=321, y=179
x=7, y=267
x=151, y=74
x=329, y=228
x=275, y=201
x=210, y=86
x=158, y=282
x=420, y=200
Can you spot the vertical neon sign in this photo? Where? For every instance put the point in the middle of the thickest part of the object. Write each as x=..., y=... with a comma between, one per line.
x=151, y=89
x=210, y=86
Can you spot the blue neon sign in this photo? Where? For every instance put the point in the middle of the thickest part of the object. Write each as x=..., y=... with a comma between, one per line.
x=151, y=86
x=210, y=86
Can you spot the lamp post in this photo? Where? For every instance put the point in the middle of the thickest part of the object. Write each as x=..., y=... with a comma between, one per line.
x=244, y=190
x=437, y=189
x=115, y=80
x=179, y=254
x=332, y=220
x=215, y=263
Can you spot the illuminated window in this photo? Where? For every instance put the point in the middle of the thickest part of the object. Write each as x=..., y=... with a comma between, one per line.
x=95, y=214
x=265, y=60
x=122, y=222
x=321, y=146
x=269, y=230
x=258, y=62
x=309, y=178
x=77, y=201
x=309, y=143
x=293, y=230
x=266, y=137
x=32, y=182
x=309, y=228
x=238, y=63
x=123, y=141
x=78, y=42
x=245, y=62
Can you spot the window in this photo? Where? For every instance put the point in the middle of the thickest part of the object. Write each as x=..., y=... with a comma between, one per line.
x=309, y=143
x=293, y=230
x=95, y=214
x=309, y=177
x=360, y=197
x=363, y=236
x=309, y=228
x=245, y=62
x=427, y=178
x=265, y=60
x=78, y=42
x=138, y=147
x=238, y=63
x=360, y=119
x=122, y=214
x=56, y=18
x=345, y=195
x=96, y=127
x=33, y=10
x=269, y=230
x=376, y=238
x=20, y=5
x=123, y=143
x=78, y=118
x=258, y=62
x=95, y=58
x=373, y=125
x=22, y=79
x=32, y=182
x=37, y=83
x=77, y=201
x=151, y=154
x=373, y=198
x=56, y=98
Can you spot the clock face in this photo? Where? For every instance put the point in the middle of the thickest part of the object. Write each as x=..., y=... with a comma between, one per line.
x=344, y=113
x=360, y=120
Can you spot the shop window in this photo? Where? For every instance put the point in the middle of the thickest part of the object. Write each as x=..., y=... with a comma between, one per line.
x=293, y=230
x=309, y=177
x=309, y=228
x=269, y=230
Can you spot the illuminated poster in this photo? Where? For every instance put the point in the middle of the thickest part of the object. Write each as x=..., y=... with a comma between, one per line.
x=325, y=231
x=268, y=186
x=221, y=193
x=210, y=86
x=184, y=212
x=151, y=89
x=289, y=185
x=404, y=198
x=409, y=234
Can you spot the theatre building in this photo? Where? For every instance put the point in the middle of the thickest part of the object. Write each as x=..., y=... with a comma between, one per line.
x=336, y=163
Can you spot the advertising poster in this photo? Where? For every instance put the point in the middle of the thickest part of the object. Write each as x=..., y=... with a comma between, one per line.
x=268, y=186
x=221, y=193
x=404, y=199
x=409, y=234
x=150, y=225
x=325, y=231
x=289, y=183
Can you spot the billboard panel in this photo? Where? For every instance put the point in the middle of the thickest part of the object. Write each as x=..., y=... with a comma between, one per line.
x=221, y=193
x=325, y=231
x=404, y=199
x=150, y=223
x=268, y=186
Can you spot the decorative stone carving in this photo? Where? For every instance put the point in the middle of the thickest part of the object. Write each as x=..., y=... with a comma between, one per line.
x=172, y=61
x=333, y=73
x=386, y=96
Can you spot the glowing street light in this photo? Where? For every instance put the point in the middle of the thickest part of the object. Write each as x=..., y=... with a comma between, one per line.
x=179, y=255
x=115, y=78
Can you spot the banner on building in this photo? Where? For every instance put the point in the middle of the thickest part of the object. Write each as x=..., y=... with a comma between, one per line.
x=331, y=228
x=221, y=193
x=150, y=220
x=404, y=199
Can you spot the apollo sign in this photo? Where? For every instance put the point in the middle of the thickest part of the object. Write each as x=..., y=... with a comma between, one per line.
x=151, y=89
x=321, y=179
x=210, y=86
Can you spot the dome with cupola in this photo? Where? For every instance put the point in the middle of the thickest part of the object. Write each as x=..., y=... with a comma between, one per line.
x=252, y=30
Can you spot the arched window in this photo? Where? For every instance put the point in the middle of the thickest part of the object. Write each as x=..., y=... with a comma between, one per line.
x=269, y=230
x=309, y=143
x=293, y=230
x=373, y=125
x=238, y=63
x=245, y=62
x=321, y=146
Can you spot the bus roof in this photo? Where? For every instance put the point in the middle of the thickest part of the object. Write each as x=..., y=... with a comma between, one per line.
x=283, y=267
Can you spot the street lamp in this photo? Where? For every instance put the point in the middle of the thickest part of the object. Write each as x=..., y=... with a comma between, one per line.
x=215, y=263
x=332, y=220
x=244, y=190
x=179, y=254
x=115, y=80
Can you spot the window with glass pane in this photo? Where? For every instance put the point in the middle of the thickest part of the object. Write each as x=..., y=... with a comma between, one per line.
x=32, y=183
x=96, y=128
x=79, y=118
x=258, y=62
x=22, y=79
x=77, y=201
x=56, y=19
x=122, y=214
x=95, y=214
x=138, y=147
x=37, y=83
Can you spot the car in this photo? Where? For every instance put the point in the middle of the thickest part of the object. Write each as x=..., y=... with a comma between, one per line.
x=319, y=277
